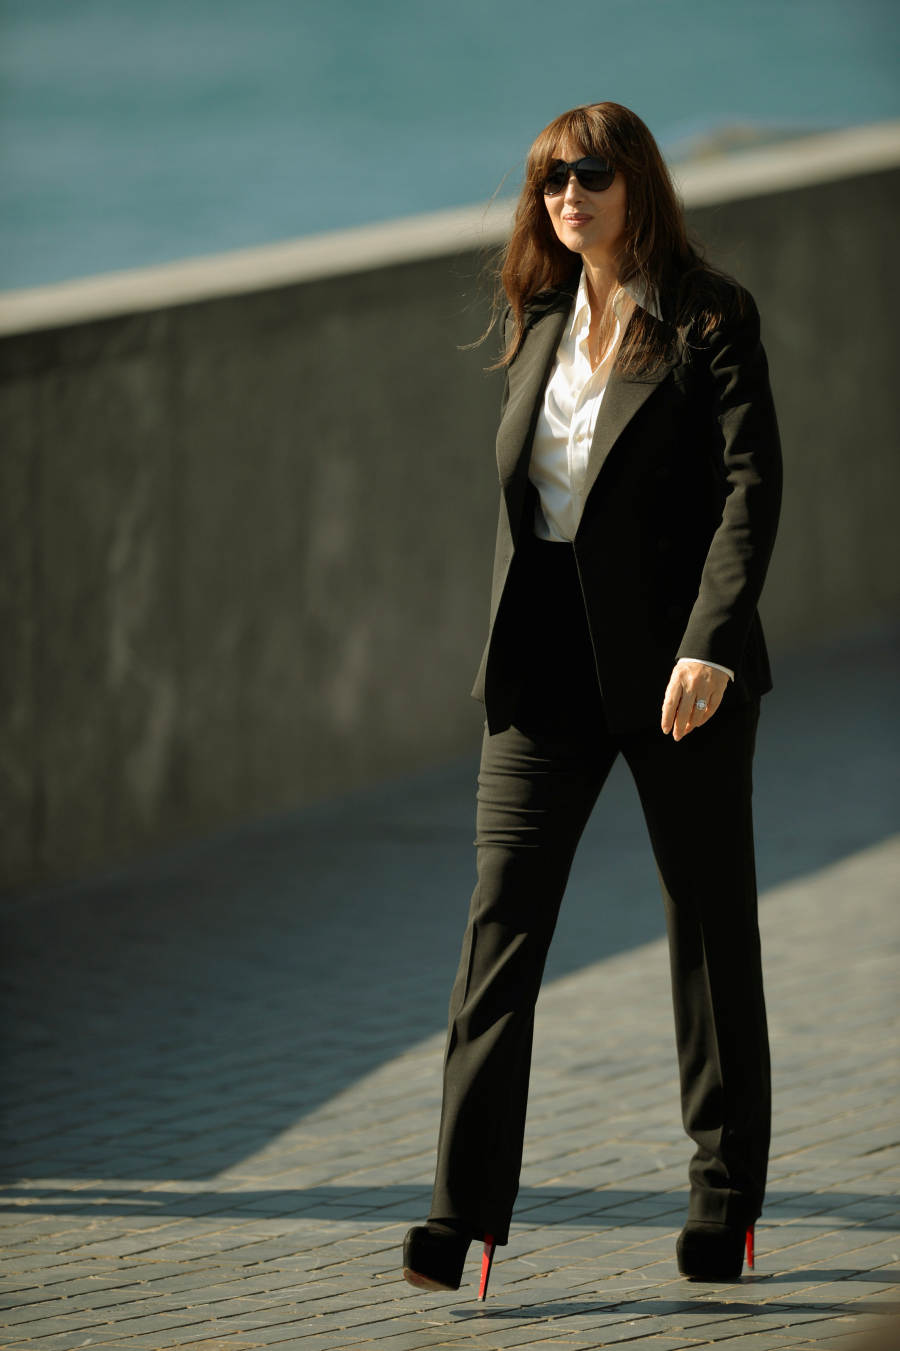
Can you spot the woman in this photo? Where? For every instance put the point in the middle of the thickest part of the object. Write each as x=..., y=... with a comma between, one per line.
x=641, y=473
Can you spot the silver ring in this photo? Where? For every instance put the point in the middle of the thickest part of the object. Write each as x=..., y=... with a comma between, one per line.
x=701, y=705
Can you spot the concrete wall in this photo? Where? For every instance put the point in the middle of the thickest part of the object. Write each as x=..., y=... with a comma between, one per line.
x=248, y=505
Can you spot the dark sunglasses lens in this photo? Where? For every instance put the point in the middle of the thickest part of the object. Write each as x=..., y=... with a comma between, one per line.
x=556, y=179
x=595, y=175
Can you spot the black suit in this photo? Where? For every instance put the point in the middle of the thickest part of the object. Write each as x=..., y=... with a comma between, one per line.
x=669, y=559
x=683, y=494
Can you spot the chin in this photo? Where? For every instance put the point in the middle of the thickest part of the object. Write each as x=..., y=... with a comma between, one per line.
x=576, y=242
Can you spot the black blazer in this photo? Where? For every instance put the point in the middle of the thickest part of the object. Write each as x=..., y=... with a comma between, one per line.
x=682, y=502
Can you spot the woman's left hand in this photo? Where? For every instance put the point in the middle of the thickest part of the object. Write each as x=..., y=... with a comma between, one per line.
x=690, y=682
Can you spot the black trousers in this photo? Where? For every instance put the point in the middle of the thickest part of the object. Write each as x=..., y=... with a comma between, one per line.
x=537, y=785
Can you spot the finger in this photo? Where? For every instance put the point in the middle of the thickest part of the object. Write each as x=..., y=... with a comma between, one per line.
x=689, y=714
x=683, y=716
x=702, y=705
x=670, y=703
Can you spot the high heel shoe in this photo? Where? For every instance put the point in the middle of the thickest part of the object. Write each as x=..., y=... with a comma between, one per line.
x=434, y=1255
x=708, y=1251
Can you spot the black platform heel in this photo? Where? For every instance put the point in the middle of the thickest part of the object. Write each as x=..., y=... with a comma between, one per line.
x=709, y=1251
x=434, y=1255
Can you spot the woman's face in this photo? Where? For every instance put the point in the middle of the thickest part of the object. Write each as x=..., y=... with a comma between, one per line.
x=589, y=223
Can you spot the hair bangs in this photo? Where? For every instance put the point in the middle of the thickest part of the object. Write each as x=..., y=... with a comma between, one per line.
x=576, y=128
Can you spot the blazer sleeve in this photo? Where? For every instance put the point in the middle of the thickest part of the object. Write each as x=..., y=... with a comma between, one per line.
x=748, y=450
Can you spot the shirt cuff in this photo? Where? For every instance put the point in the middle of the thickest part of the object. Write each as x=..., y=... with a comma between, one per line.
x=727, y=669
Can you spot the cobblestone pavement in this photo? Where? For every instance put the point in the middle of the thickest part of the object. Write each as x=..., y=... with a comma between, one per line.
x=224, y=1064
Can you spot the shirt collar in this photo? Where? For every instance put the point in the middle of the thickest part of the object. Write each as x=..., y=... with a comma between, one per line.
x=643, y=295
x=581, y=307
x=636, y=289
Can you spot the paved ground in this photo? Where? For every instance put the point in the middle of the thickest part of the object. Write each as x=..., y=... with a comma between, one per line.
x=224, y=1075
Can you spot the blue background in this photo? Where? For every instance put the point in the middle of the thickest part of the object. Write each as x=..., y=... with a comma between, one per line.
x=138, y=131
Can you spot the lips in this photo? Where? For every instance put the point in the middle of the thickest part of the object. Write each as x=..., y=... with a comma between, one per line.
x=576, y=220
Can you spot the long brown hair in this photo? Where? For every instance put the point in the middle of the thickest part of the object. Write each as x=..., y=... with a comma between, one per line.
x=656, y=253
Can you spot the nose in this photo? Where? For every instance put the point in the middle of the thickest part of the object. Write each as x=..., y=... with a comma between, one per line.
x=573, y=188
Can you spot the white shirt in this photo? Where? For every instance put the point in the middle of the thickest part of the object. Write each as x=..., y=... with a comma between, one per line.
x=565, y=426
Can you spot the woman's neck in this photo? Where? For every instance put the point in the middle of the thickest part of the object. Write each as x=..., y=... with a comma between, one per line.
x=602, y=279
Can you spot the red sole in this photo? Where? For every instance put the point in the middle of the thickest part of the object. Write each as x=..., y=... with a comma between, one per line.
x=424, y=1282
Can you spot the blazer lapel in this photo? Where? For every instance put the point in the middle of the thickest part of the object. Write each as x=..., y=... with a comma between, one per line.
x=623, y=397
x=527, y=377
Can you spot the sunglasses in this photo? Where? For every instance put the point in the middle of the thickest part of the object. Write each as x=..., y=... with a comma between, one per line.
x=594, y=175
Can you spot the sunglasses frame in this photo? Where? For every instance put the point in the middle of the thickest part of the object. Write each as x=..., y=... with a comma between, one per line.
x=578, y=167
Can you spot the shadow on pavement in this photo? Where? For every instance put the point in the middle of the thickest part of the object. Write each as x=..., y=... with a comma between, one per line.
x=277, y=963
